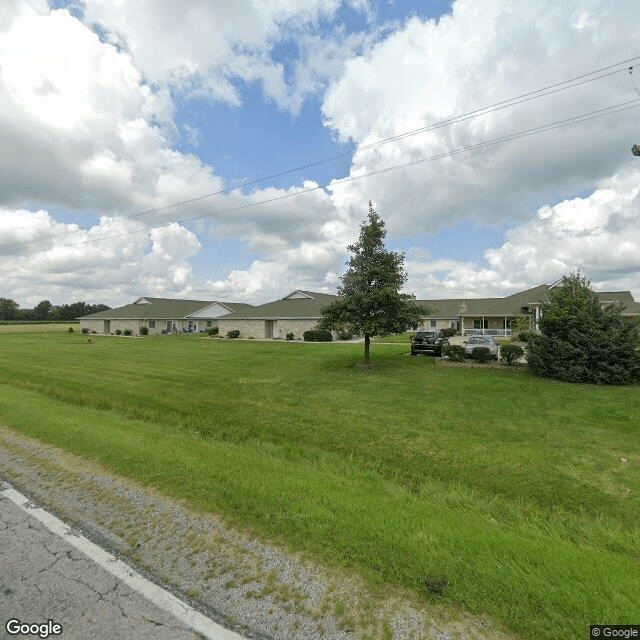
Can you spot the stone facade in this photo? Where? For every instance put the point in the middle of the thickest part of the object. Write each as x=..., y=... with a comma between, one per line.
x=261, y=330
x=248, y=328
x=297, y=327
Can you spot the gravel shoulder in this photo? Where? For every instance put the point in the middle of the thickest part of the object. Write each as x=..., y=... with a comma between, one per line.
x=260, y=590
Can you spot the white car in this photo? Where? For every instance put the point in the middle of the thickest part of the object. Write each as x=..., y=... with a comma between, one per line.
x=481, y=341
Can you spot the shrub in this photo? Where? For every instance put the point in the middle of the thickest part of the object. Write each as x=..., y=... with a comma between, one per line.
x=70, y=330
x=144, y=331
x=481, y=354
x=84, y=330
x=526, y=336
x=127, y=332
x=583, y=340
x=449, y=332
x=118, y=332
x=317, y=335
x=518, y=326
x=323, y=335
x=290, y=336
x=511, y=353
x=213, y=331
x=234, y=333
x=455, y=353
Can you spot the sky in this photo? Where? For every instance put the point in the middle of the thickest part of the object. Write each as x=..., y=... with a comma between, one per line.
x=228, y=150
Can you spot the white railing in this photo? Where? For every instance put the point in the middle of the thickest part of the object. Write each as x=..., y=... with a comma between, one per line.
x=501, y=333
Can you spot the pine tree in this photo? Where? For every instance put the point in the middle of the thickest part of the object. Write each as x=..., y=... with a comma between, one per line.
x=582, y=340
x=369, y=299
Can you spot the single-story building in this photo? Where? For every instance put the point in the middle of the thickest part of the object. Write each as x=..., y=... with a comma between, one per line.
x=296, y=313
x=299, y=311
x=161, y=315
x=493, y=316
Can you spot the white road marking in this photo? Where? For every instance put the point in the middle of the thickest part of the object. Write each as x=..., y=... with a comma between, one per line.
x=152, y=592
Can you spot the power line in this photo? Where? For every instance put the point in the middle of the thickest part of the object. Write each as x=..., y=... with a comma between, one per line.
x=585, y=117
x=557, y=87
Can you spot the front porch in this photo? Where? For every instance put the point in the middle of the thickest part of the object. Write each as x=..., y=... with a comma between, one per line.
x=496, y=326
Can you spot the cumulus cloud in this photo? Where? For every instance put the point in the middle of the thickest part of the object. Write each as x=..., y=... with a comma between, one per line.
x=210, y=48
x=481, y=54
x=598, y=234
x=80, y=129
x=45, y=259
x=88, y=125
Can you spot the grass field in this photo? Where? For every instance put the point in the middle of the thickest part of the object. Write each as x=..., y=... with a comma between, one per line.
x=37, y=327
x=522, y=493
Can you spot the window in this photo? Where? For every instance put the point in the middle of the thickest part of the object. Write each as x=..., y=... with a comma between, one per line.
x=208, y=323
x=481, y=324
x=152, y=324
x=433, y=323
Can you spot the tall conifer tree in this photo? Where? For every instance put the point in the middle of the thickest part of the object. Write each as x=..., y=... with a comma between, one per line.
x=369, y=297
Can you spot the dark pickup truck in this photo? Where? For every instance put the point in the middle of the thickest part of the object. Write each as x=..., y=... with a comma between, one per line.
x=428, y=342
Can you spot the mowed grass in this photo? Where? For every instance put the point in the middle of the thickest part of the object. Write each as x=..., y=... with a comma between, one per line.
x=521, y=493
x=38, y=327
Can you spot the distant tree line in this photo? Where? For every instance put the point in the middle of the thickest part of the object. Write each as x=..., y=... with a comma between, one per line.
x=44, y=310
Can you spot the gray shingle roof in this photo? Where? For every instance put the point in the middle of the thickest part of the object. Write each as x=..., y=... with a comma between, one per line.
x=160, y=309
x=518, y=303
x=287, y=308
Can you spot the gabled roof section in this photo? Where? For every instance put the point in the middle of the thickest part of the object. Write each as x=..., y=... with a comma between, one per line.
x=297, y=294
x=300, y=307
x=513, y=305
x=218, y=308
x=159, y=309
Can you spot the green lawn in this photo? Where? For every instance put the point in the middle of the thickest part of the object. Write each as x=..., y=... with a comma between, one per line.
x=38, y=327
x=512, y=488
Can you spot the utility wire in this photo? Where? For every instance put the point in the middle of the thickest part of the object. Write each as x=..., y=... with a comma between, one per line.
x=591, y=115
x=564, y=85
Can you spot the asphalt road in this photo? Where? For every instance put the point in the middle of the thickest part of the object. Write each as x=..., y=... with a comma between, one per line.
x=55, y=583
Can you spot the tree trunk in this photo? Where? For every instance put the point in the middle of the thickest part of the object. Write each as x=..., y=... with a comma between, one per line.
x=366, y=348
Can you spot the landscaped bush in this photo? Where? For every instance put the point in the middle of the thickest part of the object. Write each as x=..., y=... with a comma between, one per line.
x=317, y=335
x=144, y=331
x=583, y=340
x=70, y=330
x=449, y=332
x=510, y=353
x=84, y=330
x=234, y=333
x=526, y=336
x=455, y=353
x=118, y=332
x=324, y=335
x=213, y=331
x=290, y=336
x=481, y=354
x=127, y=332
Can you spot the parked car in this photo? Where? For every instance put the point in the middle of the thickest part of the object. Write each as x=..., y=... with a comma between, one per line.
x=481, y=341
x=428, y=342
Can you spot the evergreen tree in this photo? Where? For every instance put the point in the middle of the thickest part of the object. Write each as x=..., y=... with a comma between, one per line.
x=369, y=297
x=582, y=340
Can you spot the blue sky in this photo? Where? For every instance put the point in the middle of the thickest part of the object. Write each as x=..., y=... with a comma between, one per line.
x=111, y=110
